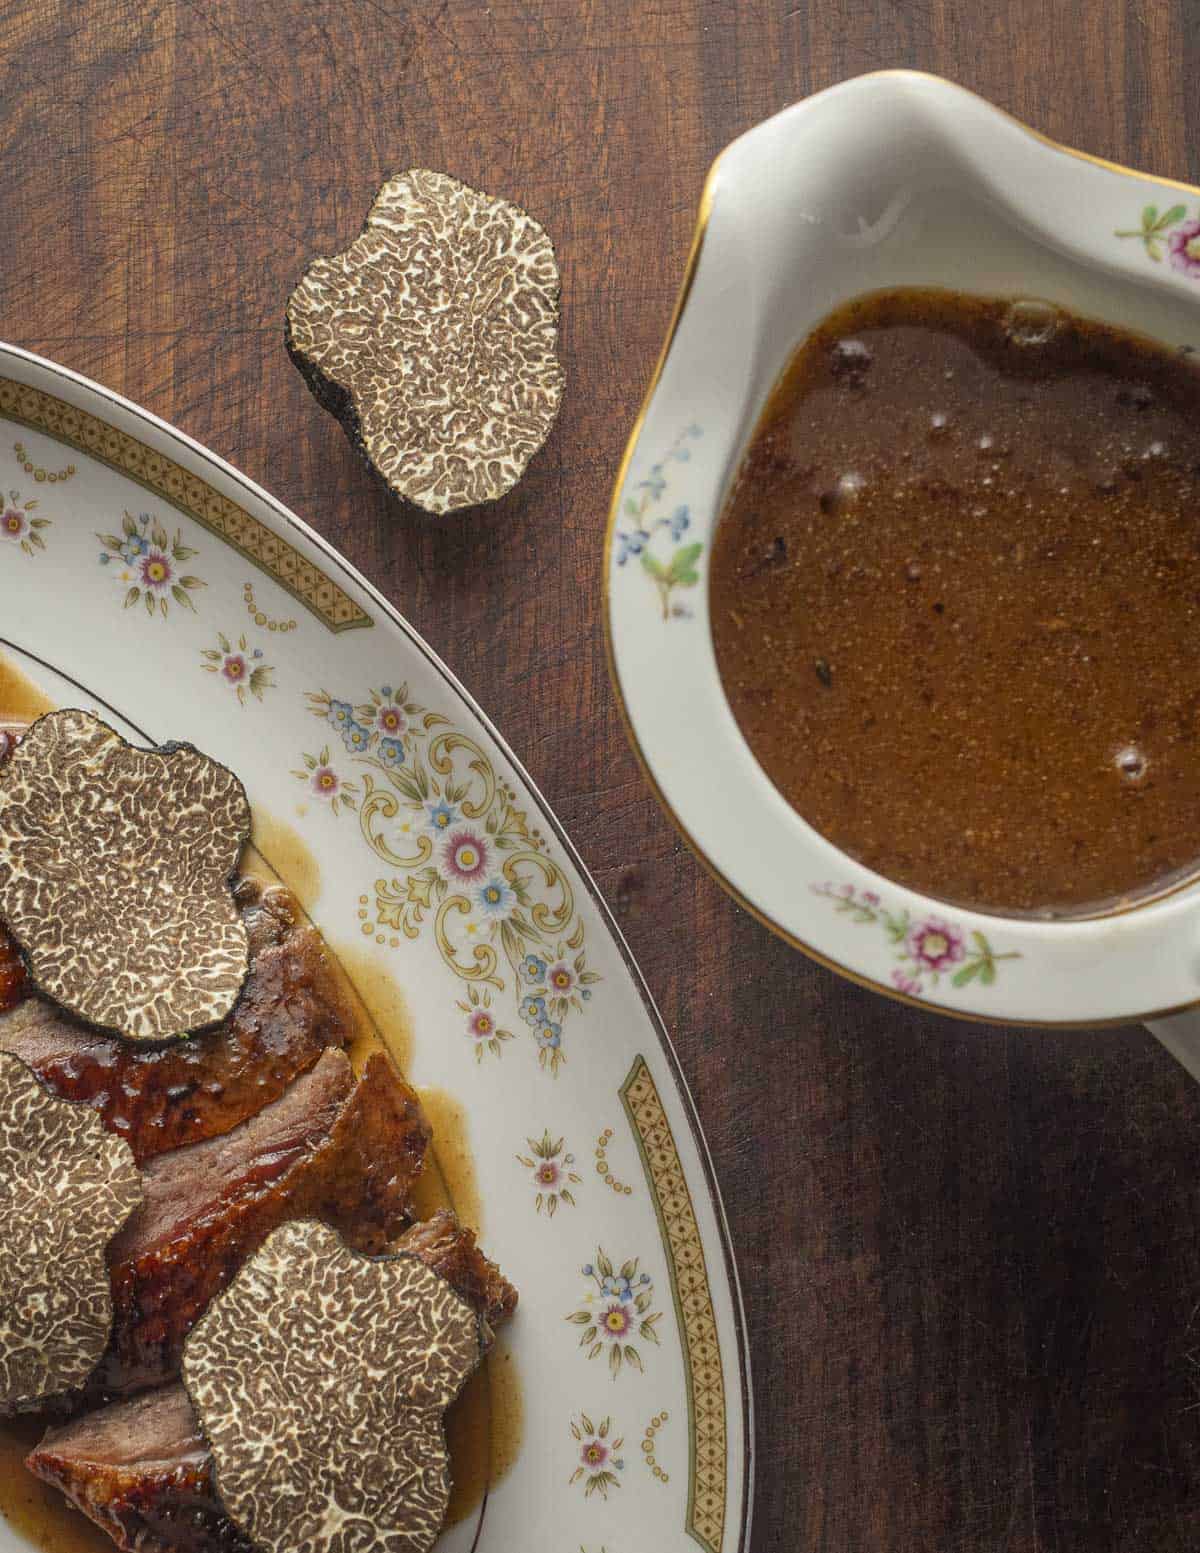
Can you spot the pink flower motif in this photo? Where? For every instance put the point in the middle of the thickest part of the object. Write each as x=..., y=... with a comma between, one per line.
x=905, y=983
x=234, y=668
x=481, y=1025
x=615, y=1321
x=325, y=782
x=465, y=857
x=391, y=721
x=14, y=524
x=560, y=978
x=1184, y=247
x=547, y=1173
x=846, y=891
x=156, y=570
x=869, y=898
x=594, y=1454
x=934, y=944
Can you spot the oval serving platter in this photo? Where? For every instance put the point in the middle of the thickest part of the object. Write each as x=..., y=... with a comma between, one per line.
x=144, y=577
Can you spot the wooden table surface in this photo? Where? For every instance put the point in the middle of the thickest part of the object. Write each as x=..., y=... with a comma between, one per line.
x=970, y=1255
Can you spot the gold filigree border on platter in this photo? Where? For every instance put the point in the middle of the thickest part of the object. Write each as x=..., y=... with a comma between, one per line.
x=159, y=474
x=705, y=1378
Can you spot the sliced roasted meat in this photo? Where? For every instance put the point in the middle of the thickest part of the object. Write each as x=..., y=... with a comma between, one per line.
x=14, y=981
x=450, y=1249
x=140, y=1468
x=141, y=1471
x=338, y=1147
x=160, y=1098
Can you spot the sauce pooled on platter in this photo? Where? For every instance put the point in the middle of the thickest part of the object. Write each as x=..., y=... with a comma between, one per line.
x=956, y=600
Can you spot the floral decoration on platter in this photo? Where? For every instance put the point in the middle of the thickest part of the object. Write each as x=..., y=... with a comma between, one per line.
x=648, y=1456
x=240, y=666
x=619, y=1310
x=18, y=524
x=67, y=472
x=260, y=616
x=599, y=1456
x=552, y=1173
x=470, y=869
x=146, y=564
x=481, y=1028
x=1170, y=229
x=603, y=1169
x=927, y=948
x=324, y=783
x=652, y=534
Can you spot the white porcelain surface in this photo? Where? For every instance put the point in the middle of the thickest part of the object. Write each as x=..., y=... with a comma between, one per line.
x=886, y=180
x=594, y=1069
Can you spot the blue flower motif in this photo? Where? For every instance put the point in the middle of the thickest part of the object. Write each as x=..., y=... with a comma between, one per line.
x=533, y=969
x=104, y=558
x=386, y=692
x=391, y=752
x=257, y=653
x=586, y=994
x=684, y=455
x=356, y=738
x=655, y=483
x=533, y=1010
x=679, y=522
x=588, y=1269
x=548, y=1035
x=341, y=715
x=440, y=816
x=631, y=544
x=617, y=1289
x=135, y=547
x=497, y=897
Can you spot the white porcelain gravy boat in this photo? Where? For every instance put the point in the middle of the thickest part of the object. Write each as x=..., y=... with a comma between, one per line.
x=891, y=179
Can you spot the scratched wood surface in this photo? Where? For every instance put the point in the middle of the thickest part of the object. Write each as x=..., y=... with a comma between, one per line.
x=970, y=1255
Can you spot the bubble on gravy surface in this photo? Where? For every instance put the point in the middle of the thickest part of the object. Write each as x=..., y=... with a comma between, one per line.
x=956, y=600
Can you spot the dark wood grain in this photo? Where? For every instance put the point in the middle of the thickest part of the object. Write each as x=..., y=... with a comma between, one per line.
x=970, y=1255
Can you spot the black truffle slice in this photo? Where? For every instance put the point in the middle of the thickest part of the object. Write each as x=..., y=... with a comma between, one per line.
x=66, y=1188
x=319, y=1379
x=432, y=339
x=115, y=877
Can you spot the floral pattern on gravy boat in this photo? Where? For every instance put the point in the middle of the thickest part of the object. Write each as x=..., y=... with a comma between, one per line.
x=1174, y=229
x=436, y=872
x=891, y=179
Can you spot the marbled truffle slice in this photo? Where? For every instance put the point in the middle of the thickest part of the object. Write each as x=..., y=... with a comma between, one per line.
x=320, y=1379
x=116, y=869
x=432, y=339
x=66, y=1188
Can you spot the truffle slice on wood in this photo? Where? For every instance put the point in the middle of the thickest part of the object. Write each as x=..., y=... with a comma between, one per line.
x=432, y=339
x=66, y=1188
x=116, y=869
x=320, y=1379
